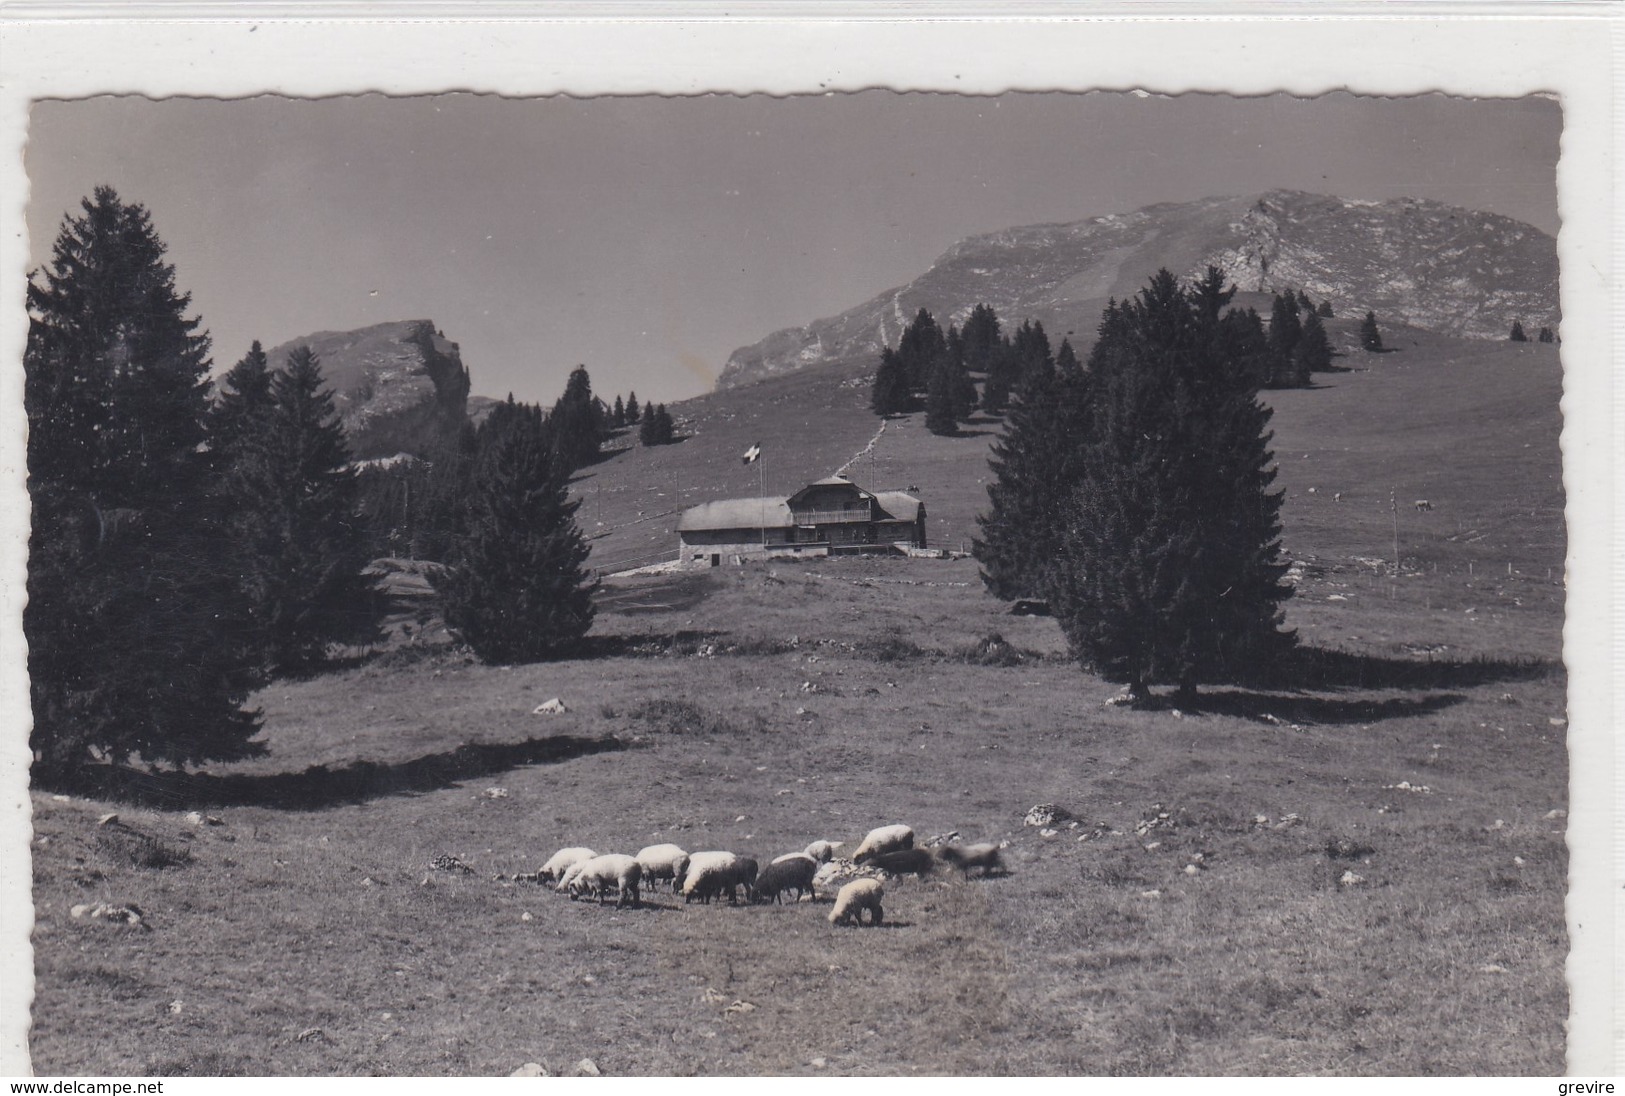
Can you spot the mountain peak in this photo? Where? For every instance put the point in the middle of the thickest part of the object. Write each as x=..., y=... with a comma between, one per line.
x=1414, y=261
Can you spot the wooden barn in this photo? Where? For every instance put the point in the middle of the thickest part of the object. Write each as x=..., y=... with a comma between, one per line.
x=831, y=517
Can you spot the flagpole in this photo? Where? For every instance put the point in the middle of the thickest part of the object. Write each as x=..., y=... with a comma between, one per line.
x=761, y=495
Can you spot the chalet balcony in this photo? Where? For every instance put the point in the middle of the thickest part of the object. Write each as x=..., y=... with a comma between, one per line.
x=831, y=517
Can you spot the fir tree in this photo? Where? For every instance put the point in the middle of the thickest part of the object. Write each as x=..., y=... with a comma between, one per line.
x=1169, y=570
x=519, y=592
x=1305, y=305
x=1370, y=337
x=1035, y=468
x=1325, y=310
x=302, y=543
x=657, y=427
x=889, y=394
x=1517, y=333
x=962, y=390
x=577, y=423
x=1546, y=335
x=940, y=404
x=981, y=337
x=1032, y=352
x=1314, y=350
x=1285, y=330
x=244, y=401
x=1002, y=373
x=921, y=348
x=633, y=414
x=132, y=604
x=617, y=417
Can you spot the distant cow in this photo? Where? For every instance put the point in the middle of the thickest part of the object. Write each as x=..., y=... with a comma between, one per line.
x=1423, y=504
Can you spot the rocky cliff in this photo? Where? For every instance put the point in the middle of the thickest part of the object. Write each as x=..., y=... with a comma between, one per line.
x=396, y=385
x=1451, y=270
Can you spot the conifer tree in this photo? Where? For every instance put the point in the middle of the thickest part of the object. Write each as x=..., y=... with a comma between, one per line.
x=1325, y=310
x=244, y=401
x=519, y=592
x=657, y=427
x=577, y=423
x=302, y=543
x=1169, y=569
x=617, y=417
x=889, y=395
x=1285, y=330
x=1546, y=335
x=1032, y=351
x=1305, y=305
x=962, y=390
x=1517, y=333
x=981, y=336
x=1002, y=374
x=1370, y=337
x=1035, y=468
x=633, y=413
x=941, y=405
x=921, y=348
x=132, y=603
x=1314, y=350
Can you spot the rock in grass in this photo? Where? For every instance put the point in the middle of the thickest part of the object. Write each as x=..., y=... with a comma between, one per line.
x=1349, y=879
x=530, y=1069
x=587, y=1068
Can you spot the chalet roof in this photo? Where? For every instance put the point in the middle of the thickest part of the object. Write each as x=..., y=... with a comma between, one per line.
x=737, y=514
x=775, y=513
x=899, y=505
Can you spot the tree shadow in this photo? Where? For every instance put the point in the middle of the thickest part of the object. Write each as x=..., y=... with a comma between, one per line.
x=1278, y=708
x=1288, y=694
x=318, y=786
x=1324, y=669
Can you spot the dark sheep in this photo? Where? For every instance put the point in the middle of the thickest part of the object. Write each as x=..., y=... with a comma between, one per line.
x=966, y=857
x=904, y=862
x=794, y=873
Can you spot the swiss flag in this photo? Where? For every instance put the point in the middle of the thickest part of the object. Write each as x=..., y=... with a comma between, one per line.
x=752, y=453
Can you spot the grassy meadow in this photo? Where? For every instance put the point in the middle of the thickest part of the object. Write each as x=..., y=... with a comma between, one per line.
x=1361, y=871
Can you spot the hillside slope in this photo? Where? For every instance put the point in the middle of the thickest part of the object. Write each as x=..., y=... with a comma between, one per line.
x=1429, y=265
x=1472, y=426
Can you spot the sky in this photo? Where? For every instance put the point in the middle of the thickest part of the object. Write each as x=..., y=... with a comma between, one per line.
x=647, y=238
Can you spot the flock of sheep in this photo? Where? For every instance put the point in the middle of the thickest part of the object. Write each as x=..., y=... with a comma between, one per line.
x=889, y=850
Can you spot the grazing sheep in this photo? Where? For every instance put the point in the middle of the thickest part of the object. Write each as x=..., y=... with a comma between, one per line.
x=966, y=857
x=711, y=873
x=904, y=862
x=821, y=851
x=662, y=862
x=884, y=839
x=614, y=869
x=794, y=871
x=854, y=898
x=562, y=861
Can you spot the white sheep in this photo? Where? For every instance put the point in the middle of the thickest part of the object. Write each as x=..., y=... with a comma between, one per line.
x=596, y=876
x=854, y=898
x=662, y=862
x=710, y=873
x=821, y=851
x=562, y=861
x=884, y=839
